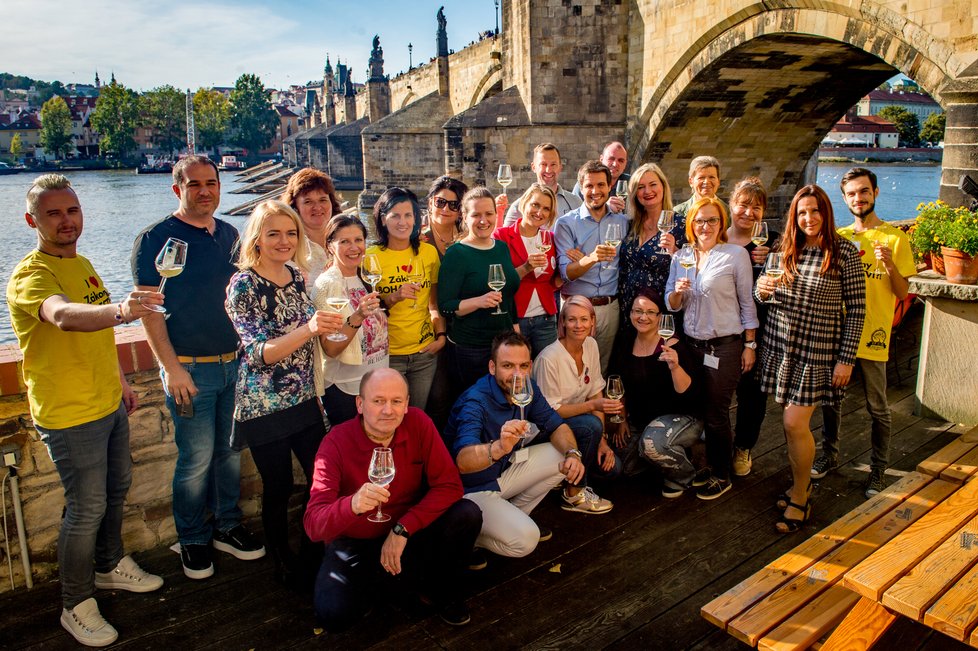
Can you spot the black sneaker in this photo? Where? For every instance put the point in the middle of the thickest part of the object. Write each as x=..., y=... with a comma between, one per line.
x=876, y=482
x=196, y=561
x=239, y=543
x=713, y=488
x=478, y=560
x=455, y=614
x=823, y=465
x=701, y=478
x=546, y=533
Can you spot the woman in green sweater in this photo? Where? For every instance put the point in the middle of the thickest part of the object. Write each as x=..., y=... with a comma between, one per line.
x=475, y=315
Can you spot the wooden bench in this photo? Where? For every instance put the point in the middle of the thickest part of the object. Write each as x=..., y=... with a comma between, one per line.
x=799, y=598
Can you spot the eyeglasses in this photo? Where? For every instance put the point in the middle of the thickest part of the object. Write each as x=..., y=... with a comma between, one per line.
x=452, y=205
x=645, y=313
x=712, y=221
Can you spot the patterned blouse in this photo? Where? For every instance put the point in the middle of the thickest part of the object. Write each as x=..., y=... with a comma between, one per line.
x=643, y=265
x=816, y=326
x=260, y=310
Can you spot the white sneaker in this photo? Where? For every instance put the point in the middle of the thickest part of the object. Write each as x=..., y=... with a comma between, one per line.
x=127, y=575
x=587, y=501
x=85, y=623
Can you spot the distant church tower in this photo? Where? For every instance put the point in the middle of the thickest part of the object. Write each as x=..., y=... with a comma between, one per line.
x=349, y=99
x=329, y=87
x=98, y=82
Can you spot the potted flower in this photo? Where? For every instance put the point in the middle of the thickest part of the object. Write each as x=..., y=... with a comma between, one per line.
x=959, y=246
x=925, y=238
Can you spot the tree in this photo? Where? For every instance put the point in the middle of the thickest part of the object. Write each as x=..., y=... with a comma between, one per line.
x=907, y=124
x=253, y=120
x=933, y=129
x=56, y=127
x=212, y=115
x=164, y=111
x=16, y=146
x=115, y=118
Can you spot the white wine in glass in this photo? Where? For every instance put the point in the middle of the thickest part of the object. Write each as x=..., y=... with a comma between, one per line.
x=759, y=234
x=774, y=269
x=497, y=281
x=521, y=392
x=504, y=176
x=381, y=473
x=337, y=304
x=616, y=391
x=169, y=263
x=667, y=326
x=687, y=258
x=665, y=223
x=416, y=276
x=621, y=191
x=371, y=269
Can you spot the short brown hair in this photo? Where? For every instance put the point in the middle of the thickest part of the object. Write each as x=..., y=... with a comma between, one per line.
x=306, y=180
x=752, y=189
x=545, y=146
x=508, y=338
x=593, y=167
x=179, y=170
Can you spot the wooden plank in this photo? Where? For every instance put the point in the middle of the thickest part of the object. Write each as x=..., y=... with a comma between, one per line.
x=964, y=468
x=812, y=622
x=864, y=625
x=927, y=581
x=956, y=612
x=937, y=463
x=758, y=586
x=874, y=576
x=793, y=595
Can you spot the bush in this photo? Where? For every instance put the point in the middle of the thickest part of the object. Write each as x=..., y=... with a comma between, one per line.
x=938, y=224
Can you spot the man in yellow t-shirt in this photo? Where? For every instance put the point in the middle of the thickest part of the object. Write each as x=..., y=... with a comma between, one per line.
x=888, y=263
x=63, y=317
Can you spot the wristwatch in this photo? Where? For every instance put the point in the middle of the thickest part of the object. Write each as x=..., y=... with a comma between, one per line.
x=750, y=344
x=399, y=530
x=575, y=452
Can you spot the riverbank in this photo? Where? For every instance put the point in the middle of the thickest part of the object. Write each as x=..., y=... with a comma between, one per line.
x=879, y=156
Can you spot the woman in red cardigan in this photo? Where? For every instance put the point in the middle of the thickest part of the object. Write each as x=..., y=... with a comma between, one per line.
x=531, y=246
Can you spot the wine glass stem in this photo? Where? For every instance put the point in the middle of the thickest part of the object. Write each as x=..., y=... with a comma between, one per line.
x=162, y=283
x=380, y=513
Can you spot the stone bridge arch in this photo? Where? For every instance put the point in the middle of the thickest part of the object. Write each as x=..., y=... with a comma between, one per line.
x=490, y=84
x=722, y=96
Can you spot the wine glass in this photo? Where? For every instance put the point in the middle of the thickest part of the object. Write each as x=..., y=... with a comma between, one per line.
x=666, y=222
x=497, y=280
x=612, y=236
x=169, y=263
x=416, y=275
x=521, y=392
x=371, y=270
x=667, y=326
x=687, y=258
x=616, y=391
x=621, y=191
x=337, y=304
x=504, y=176
x=774, y=269
x=381, y=473
x=759, y=235
x=877, y=244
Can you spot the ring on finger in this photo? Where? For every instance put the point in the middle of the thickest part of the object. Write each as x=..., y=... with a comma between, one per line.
x=139, y=299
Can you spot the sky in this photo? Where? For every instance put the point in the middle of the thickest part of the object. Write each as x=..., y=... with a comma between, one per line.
x=188, y=45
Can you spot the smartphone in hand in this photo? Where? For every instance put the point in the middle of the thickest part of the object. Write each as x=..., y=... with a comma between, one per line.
x=185, y=409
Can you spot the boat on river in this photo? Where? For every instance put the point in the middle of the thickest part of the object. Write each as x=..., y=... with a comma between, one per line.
x=6, y=170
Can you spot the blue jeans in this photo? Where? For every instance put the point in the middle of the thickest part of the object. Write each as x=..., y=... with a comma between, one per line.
x=95, y=467
x=419, y=370
x=207, y=476
x=540, y=330
x=664, y=443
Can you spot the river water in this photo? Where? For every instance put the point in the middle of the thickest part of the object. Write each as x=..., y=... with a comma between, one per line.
x=118, y=205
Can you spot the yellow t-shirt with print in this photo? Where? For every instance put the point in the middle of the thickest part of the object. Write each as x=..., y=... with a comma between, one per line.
x=409, y=328
x=880, y=300
x=72, y=377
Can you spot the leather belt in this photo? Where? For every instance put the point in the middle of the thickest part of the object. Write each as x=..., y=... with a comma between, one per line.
x=602, y=300
x=226, y=358
x=716, y=341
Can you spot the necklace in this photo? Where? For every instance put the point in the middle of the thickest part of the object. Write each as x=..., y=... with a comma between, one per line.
x=441, y=239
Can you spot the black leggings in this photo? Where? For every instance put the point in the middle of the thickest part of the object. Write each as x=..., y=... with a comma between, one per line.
x=274, y=462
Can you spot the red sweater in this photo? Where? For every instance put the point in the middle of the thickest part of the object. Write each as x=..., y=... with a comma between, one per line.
x=543, y=284
x=426, y=481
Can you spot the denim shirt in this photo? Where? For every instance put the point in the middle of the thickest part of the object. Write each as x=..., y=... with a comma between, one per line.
x=579, y=230
x=478, y=417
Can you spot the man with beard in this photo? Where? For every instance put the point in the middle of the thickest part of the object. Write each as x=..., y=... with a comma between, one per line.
x=887, y=262
x=595, y=275
x=614, y=156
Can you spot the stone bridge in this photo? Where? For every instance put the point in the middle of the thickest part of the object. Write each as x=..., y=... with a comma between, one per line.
x=757, y=84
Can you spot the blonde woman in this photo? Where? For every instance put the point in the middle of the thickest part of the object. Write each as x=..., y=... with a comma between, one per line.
x=276, y=407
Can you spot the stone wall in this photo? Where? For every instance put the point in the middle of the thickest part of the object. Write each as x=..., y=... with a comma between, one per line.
x=148, y=520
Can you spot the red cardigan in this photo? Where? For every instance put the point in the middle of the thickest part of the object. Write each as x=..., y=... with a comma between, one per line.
x=426, y=481
x=545, y=284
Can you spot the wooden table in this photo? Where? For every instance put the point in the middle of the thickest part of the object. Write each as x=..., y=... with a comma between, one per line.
x=912, y=547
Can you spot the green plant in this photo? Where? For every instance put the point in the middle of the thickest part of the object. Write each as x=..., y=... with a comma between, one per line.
x=938, y=224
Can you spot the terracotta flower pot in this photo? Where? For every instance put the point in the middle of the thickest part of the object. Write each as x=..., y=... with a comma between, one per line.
x=960, y=268
x=937, y=263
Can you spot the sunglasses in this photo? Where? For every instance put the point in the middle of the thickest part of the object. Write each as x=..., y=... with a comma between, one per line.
x=452, y=205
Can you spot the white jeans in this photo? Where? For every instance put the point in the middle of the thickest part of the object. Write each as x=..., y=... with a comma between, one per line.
x=507, y=529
